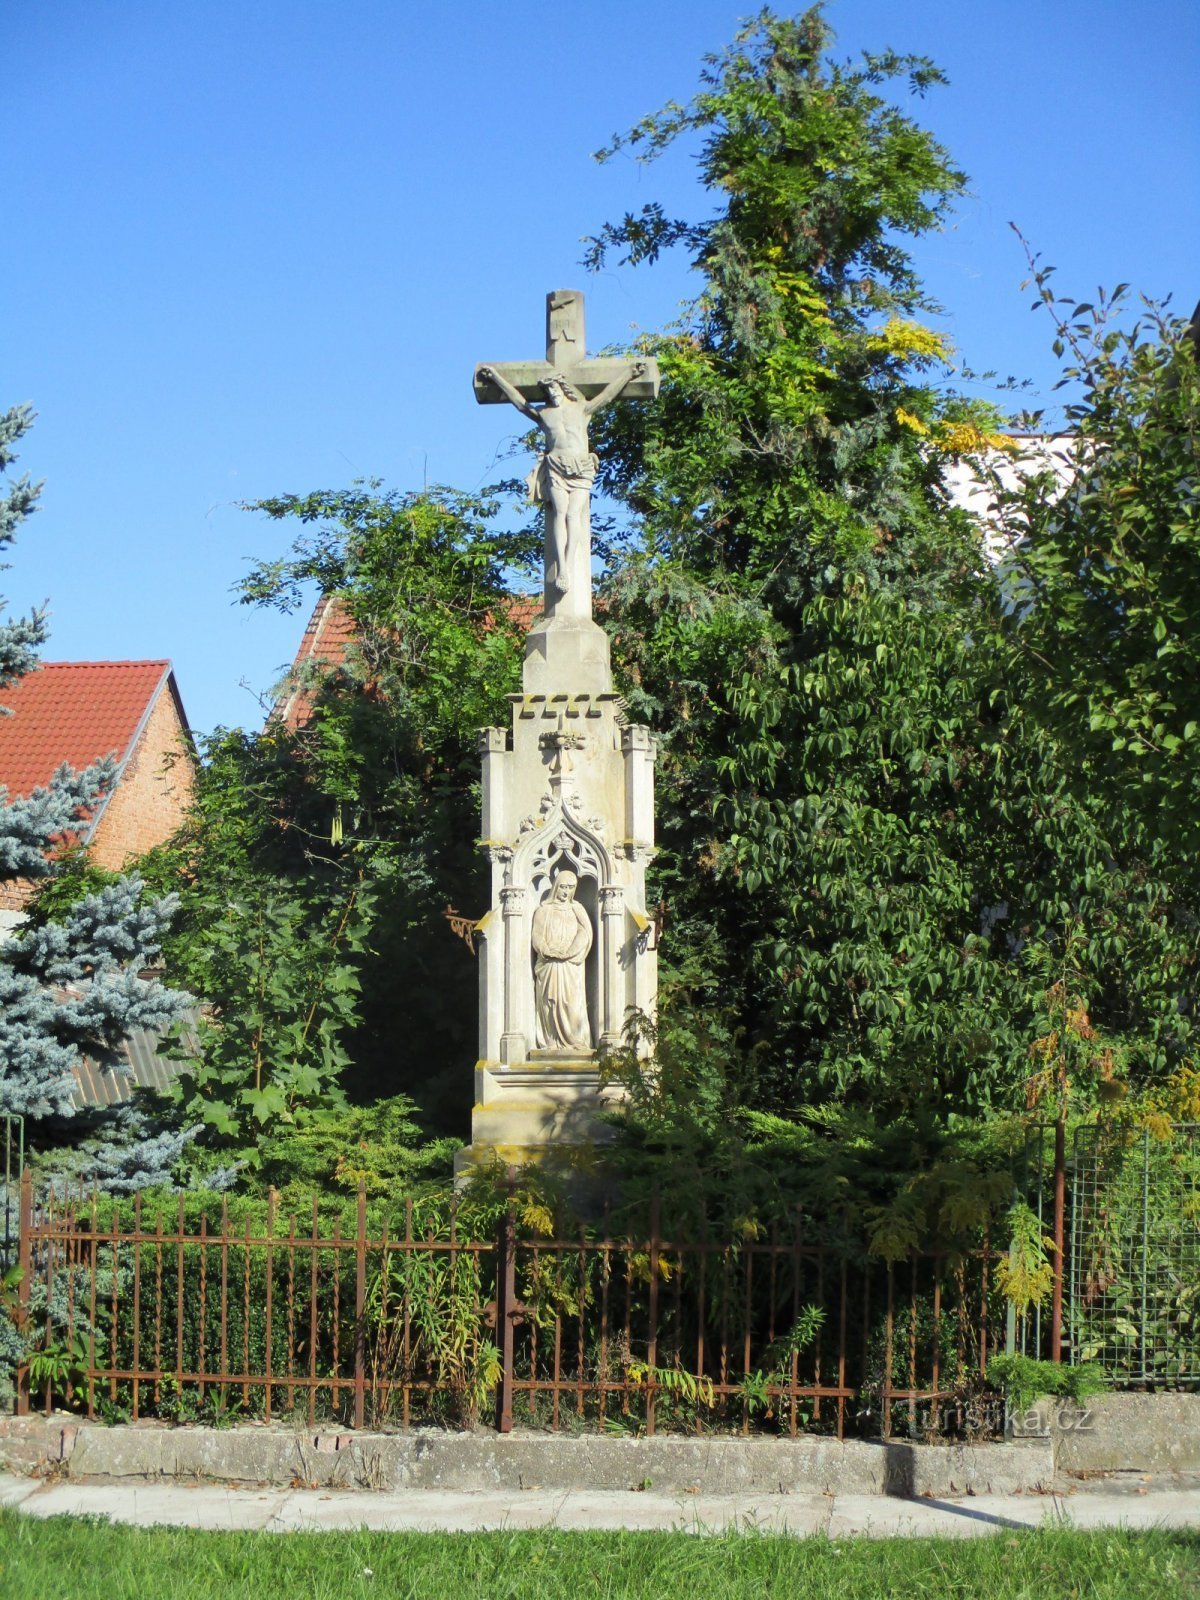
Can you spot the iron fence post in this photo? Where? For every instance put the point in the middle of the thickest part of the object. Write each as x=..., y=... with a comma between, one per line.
x=506, y=1275
x=652, y=1311
x=12, y=1178
x=24, y=1266
x=268, y=1330
x=1060, y=1205
x=360, y=1304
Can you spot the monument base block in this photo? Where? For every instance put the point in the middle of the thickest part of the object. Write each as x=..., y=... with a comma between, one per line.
x=537, y=1110
x=567, y=655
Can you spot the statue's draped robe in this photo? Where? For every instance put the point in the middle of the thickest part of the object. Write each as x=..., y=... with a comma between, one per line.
x=562, y=937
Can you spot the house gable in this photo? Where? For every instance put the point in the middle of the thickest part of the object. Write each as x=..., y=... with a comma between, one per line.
x=78, y=712
x=154, y=785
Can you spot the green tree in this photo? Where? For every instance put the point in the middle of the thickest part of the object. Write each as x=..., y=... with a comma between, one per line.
x=1105, y=574
x=319, y=860
x=877, y=856
x=872, y=854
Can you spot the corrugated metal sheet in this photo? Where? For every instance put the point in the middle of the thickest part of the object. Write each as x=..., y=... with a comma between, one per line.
x=145, y=1068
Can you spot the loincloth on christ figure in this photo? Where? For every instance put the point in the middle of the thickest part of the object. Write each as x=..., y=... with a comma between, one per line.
x=571, y=473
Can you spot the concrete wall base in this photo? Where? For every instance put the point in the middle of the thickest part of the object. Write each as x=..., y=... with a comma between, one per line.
x=423, y=1460
x=1153, y=1433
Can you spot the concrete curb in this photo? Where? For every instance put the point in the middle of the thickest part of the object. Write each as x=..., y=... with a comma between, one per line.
x=474, y=1463
x=427, y=1511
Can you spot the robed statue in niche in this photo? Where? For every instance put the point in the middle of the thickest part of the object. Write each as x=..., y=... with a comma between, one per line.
x=562, y=937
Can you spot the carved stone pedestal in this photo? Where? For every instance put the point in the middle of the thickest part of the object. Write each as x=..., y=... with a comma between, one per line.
x=569, y=792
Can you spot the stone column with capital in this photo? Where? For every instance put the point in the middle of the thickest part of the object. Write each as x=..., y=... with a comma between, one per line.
x=612, y=916
x=514, y=1041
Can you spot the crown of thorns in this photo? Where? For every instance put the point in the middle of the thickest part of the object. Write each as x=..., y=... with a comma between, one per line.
x=558, y=378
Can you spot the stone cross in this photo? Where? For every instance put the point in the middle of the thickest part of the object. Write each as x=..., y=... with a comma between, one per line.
x=566, y=355
x=559, y=394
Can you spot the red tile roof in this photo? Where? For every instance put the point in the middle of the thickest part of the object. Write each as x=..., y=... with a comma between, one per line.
x=329, y=632
x=524, y=610
x=328, y=636
x=73, y=711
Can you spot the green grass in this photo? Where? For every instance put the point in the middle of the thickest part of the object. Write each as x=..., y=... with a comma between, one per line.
x=70, y=1558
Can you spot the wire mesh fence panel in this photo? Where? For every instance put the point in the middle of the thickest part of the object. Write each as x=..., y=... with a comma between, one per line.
x=1135, y=1253
x=12, y=1164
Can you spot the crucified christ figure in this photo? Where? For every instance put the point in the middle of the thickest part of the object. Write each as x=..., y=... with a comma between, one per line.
x=562, y=480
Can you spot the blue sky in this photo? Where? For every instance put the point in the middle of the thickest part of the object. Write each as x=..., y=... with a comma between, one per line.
x=257, y=248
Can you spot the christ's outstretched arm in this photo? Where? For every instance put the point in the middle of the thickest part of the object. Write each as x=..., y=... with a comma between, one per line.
x=513, y=396
x=612, y=390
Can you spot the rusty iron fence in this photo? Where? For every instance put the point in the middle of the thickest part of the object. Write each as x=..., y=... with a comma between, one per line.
x=461, y=1312
x=435, y=1317
x=769, y=1331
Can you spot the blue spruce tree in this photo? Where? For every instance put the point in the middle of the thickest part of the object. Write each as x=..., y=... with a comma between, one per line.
x=74, y=986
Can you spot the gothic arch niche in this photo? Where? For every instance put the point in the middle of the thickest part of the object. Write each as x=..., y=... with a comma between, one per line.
x=562, y=844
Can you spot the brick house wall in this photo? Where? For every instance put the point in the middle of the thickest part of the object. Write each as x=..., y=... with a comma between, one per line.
x=154, y=790
x=78, y=712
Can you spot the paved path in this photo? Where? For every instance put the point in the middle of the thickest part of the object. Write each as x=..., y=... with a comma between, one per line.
x=1135, y=1505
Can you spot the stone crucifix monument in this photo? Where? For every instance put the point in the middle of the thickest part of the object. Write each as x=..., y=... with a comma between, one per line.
x=566, y=948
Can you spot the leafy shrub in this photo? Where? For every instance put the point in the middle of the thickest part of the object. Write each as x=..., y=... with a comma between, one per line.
x=1022, y=1380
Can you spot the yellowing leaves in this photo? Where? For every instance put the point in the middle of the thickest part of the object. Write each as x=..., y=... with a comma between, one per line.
x=537, y=1218
x=956, y=438
x=1024, y=1285
x=1025, y=1275
x=910, y=341
x=967, y=438
x=639, y=1267
x=690, y=1387
x=1183, y=1094
x=1176, y=1100
x=1159, y=1126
